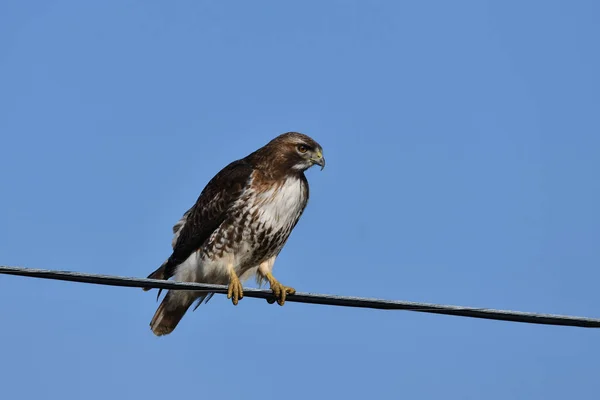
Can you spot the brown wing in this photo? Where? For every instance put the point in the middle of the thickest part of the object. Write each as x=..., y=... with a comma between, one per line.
x=207, y=214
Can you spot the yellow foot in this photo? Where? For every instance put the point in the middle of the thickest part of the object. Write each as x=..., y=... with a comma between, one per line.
x=235, y=292
x=279, y=290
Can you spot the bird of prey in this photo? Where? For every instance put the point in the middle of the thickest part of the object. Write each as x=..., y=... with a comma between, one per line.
x=239, y=224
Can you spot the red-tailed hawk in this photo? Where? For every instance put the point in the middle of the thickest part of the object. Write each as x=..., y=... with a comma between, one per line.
x=238, y=226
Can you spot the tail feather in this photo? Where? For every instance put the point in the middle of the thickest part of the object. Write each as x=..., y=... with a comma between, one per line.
x=203, y=299
x=174, y=305
x=171, y=310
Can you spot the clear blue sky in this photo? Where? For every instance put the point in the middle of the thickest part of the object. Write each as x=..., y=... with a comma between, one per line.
x=463, y=150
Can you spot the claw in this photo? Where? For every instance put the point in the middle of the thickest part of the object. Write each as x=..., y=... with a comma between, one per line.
x=279, y=291
x=235, y=291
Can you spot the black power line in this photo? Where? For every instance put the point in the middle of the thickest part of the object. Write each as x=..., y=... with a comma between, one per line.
x=309, y=298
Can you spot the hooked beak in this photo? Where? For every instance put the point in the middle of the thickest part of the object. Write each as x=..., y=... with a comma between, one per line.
x=319, y=159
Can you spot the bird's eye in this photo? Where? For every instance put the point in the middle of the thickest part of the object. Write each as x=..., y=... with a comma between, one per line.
x=302, y=148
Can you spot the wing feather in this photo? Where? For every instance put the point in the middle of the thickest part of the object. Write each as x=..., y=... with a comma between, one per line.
x=209, y=211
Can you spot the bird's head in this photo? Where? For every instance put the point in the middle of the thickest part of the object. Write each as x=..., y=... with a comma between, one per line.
x=296, y=151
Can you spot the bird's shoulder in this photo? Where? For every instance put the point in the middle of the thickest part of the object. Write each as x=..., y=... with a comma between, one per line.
x=211, y=209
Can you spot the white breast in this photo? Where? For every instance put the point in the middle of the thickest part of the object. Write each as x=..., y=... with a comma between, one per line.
x=279, y=207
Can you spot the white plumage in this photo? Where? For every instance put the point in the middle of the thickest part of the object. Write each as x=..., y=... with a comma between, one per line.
x=278, y=208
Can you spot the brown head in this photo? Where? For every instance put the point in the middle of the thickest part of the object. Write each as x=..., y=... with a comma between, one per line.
x=291, y=151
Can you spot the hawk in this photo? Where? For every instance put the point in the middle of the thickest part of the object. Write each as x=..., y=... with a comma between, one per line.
x=237, y=227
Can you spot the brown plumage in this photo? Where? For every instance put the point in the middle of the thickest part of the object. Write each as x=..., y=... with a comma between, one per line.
x=239, y=224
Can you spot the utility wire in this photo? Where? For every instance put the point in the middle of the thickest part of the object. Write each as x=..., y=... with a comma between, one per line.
x=309, y=298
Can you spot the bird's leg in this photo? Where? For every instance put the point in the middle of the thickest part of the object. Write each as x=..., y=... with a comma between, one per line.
x=278, y=289
x=235, y=291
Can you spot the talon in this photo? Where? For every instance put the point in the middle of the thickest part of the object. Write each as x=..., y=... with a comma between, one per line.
x=279, y=291
x=235, y=291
